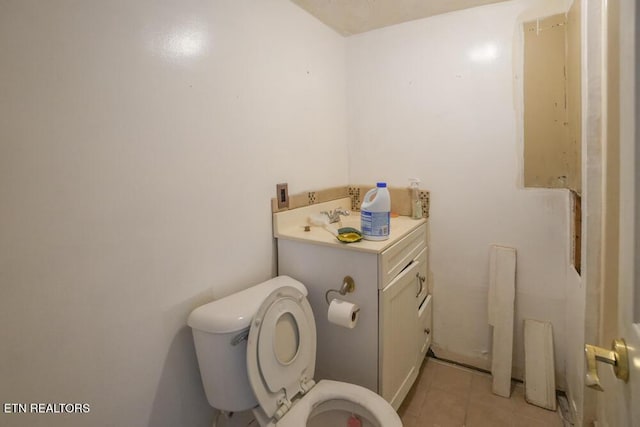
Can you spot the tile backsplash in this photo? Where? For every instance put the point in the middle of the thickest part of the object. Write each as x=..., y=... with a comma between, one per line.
x=400, y=198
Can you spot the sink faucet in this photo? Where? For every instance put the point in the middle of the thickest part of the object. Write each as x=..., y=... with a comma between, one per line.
x=334, y=216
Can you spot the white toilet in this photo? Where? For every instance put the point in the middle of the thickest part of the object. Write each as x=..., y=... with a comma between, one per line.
x=257, y=350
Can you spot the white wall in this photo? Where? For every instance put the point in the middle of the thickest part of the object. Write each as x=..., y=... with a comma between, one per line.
x=140, y=143
x=441, y=99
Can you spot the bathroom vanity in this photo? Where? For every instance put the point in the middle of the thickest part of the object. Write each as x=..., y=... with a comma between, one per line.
x=385, y=349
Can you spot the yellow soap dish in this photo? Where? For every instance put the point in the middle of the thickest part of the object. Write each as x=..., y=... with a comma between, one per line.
x=349, y=235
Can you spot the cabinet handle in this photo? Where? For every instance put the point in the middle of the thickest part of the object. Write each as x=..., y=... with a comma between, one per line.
x=421, y=280
x=427, y=331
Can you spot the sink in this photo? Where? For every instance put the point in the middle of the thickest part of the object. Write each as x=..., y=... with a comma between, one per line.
x=291, y=225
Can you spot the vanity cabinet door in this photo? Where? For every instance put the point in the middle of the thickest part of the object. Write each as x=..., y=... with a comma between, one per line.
x=398, y=344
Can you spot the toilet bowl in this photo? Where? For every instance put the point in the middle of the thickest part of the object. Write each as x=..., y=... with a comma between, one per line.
x=332, y=403
x=276, y=381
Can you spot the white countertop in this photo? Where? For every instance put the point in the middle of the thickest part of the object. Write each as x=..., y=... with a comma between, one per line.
x=290, y=225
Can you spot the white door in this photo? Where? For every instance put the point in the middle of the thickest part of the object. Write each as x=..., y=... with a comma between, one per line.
x=628, y=395
x=620, y=401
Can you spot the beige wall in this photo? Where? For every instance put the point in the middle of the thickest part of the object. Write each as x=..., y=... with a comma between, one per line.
x=140, y=144
x=574, y=49
x=552, y=105
x=548, y=152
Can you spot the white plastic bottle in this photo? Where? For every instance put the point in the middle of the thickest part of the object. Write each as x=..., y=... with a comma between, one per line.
x=375, y=213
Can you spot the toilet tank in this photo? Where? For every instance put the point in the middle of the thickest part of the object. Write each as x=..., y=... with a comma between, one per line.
x=220, y=329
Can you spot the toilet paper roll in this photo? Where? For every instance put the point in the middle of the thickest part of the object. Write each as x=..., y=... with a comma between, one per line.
x=343, y=313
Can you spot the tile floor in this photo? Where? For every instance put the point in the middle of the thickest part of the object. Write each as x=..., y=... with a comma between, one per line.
x=447, y=395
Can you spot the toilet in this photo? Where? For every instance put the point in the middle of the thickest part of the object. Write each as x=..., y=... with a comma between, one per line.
x=257, y=349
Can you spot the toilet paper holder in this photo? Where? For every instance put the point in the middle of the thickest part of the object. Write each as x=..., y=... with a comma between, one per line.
x=348, y=286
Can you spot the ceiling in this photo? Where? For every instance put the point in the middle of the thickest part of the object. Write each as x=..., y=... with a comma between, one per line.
x=357, y=16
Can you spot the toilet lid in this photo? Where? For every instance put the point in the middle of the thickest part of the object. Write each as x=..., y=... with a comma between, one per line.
x=281, y=350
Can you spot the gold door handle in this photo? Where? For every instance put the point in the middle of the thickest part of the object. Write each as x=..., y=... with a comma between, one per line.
x=616, y=357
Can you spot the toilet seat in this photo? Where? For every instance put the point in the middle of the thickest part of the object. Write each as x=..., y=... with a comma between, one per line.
x=277, y=383
x=283, y=328
x=342, y=396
